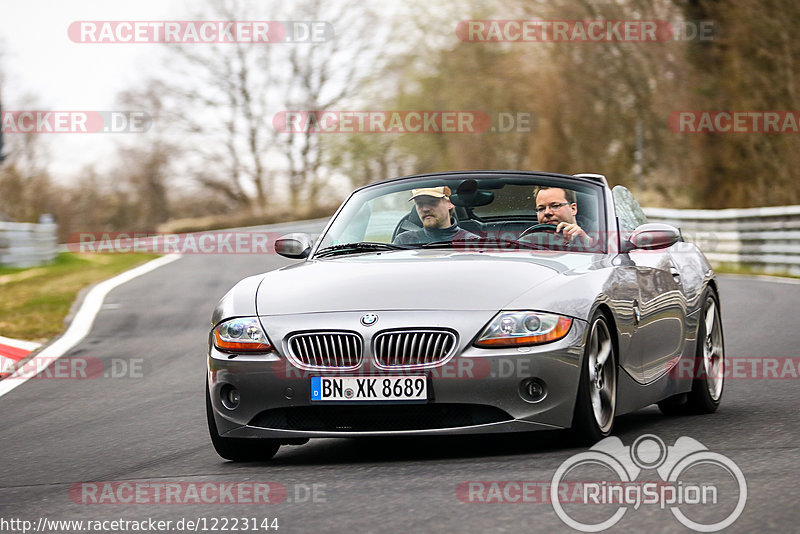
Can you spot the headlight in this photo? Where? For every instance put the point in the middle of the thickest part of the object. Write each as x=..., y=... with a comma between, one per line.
x=517, y=328
x=241, y=335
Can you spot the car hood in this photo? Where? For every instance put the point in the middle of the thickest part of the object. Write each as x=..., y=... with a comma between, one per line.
x=420, y=279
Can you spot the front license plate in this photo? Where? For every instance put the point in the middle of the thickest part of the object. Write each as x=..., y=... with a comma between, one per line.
x=369, y=388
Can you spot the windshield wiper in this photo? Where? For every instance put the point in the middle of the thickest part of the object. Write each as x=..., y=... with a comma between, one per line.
x=482, y=243
x=360, y=246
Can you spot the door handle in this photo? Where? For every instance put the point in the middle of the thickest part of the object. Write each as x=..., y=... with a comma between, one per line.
x=676, y=275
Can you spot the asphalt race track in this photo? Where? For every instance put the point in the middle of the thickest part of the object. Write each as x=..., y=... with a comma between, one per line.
x=144, y=422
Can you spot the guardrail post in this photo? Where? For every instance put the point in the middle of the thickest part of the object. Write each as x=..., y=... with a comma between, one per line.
x=27, y=244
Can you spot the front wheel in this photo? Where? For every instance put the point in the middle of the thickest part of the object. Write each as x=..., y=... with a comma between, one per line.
x=238, y=449
x=596, y=404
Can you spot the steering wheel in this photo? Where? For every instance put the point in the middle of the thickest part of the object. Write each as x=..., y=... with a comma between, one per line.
x=542, y=227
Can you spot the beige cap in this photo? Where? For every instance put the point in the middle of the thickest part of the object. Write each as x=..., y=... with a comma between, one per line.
x=437, y=192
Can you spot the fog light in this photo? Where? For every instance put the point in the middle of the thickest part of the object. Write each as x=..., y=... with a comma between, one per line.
x=229, y=396
x=532, y=389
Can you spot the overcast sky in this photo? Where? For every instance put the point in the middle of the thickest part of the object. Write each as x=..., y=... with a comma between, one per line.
x=39, y=59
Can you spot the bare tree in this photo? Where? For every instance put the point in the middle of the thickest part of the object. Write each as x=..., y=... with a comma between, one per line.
x=322, y=76
x=218, y=94
x=145, y=163
x=2, y=84
x=25, y=183
x=227, y=93
x=753, y=64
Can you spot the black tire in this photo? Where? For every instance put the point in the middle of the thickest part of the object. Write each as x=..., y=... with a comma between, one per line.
x=708, y=381
x=238, y=449
x=598, y=383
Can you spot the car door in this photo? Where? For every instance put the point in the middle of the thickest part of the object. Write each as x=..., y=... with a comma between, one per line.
x=660, y=310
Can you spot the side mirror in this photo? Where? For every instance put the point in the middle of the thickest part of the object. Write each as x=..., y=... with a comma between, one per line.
x=654, y=236
x=294, y=246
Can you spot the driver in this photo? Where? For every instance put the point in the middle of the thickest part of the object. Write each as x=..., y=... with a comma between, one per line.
x=559, y=207
x=436, y=213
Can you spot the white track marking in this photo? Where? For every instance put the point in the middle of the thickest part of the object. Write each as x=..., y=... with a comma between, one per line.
x=82, y=322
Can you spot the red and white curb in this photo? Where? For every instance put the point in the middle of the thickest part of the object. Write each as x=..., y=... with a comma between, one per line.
x=12, y=351
x=82, y=322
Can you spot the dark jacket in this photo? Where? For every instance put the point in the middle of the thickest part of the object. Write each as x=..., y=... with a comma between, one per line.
x=424, y=235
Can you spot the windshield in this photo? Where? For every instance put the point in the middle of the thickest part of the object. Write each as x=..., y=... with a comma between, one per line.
x=498, y=211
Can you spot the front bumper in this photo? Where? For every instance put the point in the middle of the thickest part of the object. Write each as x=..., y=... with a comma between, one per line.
x=477, y=391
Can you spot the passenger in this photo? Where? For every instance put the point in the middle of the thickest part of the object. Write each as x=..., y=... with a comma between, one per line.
x=558, y=206
x=436, y=213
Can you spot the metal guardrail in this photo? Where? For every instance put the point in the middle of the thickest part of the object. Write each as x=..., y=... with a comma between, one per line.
x=27, y=244
x=765, y=239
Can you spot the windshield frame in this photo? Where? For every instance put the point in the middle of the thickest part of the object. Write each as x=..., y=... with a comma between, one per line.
x=454, y=179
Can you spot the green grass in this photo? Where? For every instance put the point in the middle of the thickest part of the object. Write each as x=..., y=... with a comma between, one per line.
x=737, y=268
x=34, y=302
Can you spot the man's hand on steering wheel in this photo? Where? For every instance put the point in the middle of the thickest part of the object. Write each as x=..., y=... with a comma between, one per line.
x=570, y=231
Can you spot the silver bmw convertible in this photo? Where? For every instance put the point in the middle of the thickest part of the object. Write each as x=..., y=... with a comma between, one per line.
x=466, y=303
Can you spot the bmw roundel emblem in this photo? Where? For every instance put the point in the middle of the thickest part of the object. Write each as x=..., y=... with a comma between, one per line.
x=369, y=319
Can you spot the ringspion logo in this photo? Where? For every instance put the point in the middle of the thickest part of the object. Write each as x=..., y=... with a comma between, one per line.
x=704, y=490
